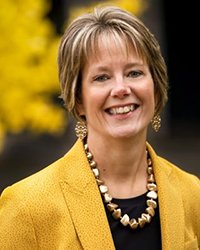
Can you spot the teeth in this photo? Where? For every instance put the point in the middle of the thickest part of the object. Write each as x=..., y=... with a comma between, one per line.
x=122, y=110
x=126, y=109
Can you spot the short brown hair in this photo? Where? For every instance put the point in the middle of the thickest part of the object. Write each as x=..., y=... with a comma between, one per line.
x=81, y=36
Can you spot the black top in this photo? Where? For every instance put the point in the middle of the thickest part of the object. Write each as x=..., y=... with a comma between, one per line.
x=125, y=238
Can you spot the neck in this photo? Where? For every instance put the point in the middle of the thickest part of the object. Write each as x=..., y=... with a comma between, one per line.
x=122, y=164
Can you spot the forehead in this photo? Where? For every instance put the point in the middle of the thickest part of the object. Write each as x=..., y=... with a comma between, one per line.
x=111, y=44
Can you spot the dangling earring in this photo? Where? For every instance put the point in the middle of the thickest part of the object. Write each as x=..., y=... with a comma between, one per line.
x=156, y=122
x=81, y=130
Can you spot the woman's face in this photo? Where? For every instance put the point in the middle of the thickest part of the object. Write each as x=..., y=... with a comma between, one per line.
x=117, y=92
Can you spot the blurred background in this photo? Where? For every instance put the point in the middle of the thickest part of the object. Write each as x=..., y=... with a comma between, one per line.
x=34, y=127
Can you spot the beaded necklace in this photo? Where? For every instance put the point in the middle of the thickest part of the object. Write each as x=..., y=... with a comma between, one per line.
x=117, y=214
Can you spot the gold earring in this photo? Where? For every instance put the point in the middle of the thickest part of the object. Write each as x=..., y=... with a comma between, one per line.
x=156, y=122
x=81, y=130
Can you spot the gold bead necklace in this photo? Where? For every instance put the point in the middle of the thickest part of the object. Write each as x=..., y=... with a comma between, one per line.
x=145, y=217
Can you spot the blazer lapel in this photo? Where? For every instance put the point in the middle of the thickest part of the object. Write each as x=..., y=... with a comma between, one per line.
x=87, y=211
x=84, y=202
x=170, y=205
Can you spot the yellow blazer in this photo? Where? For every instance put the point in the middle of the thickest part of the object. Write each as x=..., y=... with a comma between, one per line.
x=60, y=207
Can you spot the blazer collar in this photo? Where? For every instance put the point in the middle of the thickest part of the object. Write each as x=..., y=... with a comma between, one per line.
x=84, y=201
x=87, y=211
x=170, y=204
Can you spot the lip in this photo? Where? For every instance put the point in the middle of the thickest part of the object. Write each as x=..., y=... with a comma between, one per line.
x=124, y=115
x=134, y=105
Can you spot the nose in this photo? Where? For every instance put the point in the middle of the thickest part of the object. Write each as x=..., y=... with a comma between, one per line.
x=120, y=91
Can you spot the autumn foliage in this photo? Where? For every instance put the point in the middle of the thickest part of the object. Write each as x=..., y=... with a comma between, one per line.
x=29, y=86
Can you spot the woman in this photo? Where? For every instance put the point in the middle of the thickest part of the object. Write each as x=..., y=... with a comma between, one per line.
x=111, y=190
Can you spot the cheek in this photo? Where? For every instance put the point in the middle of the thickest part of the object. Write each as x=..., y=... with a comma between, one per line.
x=146, y=92
x=93, y=99
x=146, y=95
x=96, y=95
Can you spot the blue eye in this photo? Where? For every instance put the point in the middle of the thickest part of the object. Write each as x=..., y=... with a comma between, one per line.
x=101, y=78
x=134, y=74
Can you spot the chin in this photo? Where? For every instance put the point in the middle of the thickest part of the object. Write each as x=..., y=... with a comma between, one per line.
x=128, y=133
x=123, y=134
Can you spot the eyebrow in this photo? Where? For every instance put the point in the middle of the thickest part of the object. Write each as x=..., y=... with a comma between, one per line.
x=128, y=65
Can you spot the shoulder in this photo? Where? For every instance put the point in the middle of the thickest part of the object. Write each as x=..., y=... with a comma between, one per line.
x=187, y=186
x=35, y=203
x=185, y=179
x=35, y=186
x=174, y=173
x=48, y=176
x=46, y=182
x=27, y=201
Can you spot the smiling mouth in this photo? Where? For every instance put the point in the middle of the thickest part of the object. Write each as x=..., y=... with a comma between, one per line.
x=122, y=110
